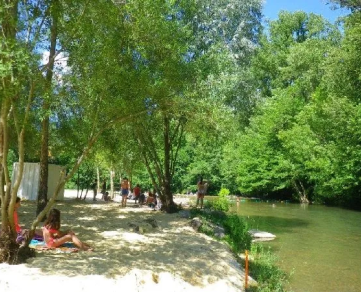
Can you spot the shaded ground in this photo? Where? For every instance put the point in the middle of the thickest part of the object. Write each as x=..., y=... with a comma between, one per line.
x=170, y=257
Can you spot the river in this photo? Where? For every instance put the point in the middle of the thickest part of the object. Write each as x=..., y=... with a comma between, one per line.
x=319, y=245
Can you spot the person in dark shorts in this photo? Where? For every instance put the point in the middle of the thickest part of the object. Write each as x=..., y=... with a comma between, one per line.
x=124, y=185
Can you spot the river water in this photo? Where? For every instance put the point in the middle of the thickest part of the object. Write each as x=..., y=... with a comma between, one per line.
x=320, y=246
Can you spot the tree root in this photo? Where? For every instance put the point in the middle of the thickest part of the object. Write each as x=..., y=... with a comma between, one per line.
x=11, y=252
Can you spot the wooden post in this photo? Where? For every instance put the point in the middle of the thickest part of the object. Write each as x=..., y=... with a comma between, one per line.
x=246, y=276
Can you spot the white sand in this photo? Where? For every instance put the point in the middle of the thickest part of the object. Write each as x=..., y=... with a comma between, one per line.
x=172, y=257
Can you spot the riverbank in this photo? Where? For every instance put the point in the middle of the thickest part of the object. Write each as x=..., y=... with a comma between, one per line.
x=169, y=257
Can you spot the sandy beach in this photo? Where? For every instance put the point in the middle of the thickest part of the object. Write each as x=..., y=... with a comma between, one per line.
x=170, y=257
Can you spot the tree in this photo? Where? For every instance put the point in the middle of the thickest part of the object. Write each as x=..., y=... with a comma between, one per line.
x=43, y=176
x=343, y=66
x=20, y=71
x=354, y=5
x=264, y=166
x=325, y=141
x=290, y=67
x=17, y=93
x=293, y=52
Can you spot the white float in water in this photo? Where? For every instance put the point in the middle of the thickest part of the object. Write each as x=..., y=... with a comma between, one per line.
x=259, y=235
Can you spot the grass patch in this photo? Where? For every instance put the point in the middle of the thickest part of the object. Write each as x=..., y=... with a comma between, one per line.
x=264, y=270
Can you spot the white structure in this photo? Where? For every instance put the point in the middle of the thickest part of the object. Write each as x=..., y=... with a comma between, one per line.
x=29, y=185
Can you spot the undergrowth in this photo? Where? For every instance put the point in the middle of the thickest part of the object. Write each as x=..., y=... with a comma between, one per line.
x=263, y=267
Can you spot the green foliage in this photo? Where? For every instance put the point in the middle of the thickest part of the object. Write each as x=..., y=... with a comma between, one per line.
x=223, y=193
x=236, y=228
x=207, y=228
x=263, y=268
x=12, y=158
x=219, y=204
x=263, y=165
x=353, y=5
x=325, y=140
x=85, y=176
x=237, y=233
x=297, y=138
x=342, y=69
x=292, y=52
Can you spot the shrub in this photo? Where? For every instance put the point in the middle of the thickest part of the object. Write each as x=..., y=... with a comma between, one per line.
x=237, y=233
x=223, y=192
x=264, y=270
x=221, y=203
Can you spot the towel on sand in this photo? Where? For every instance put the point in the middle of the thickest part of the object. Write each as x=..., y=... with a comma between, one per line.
x=67, y=247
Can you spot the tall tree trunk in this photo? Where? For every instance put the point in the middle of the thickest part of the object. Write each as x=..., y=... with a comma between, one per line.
x=44, y=156
x=112, y=174
x=4, y=179
x=98, y=180
x=167, y=180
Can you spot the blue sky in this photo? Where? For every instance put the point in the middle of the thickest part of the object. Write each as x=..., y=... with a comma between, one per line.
x=273, y=7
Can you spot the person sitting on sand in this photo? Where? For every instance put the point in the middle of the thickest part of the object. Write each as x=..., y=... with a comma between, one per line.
x=151, y=200
x=23, y=234
x=53, y=237
x=136, y=192
x=141, y=200
x=106, y=197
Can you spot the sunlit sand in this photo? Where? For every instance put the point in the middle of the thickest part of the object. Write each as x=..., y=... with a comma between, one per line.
x=170, y=257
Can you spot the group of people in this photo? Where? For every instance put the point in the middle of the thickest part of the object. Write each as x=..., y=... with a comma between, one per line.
x=137, y=195
x=54, y=237
x=151, y=199
x=125, y=191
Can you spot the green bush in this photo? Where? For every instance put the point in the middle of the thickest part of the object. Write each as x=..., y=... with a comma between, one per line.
x=237, y=233
x=223, y=193
x=206, y=228
x=235, y=227
x=221, y=203
x=264, y=270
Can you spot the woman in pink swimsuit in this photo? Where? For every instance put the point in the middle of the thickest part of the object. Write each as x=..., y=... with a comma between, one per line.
x=53, y=237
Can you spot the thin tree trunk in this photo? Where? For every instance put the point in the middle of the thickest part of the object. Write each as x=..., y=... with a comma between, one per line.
x=98, y=180
x=167, y=180
x=86, y=193
x=302, y=193
x=112, y=183
x=44, y=156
